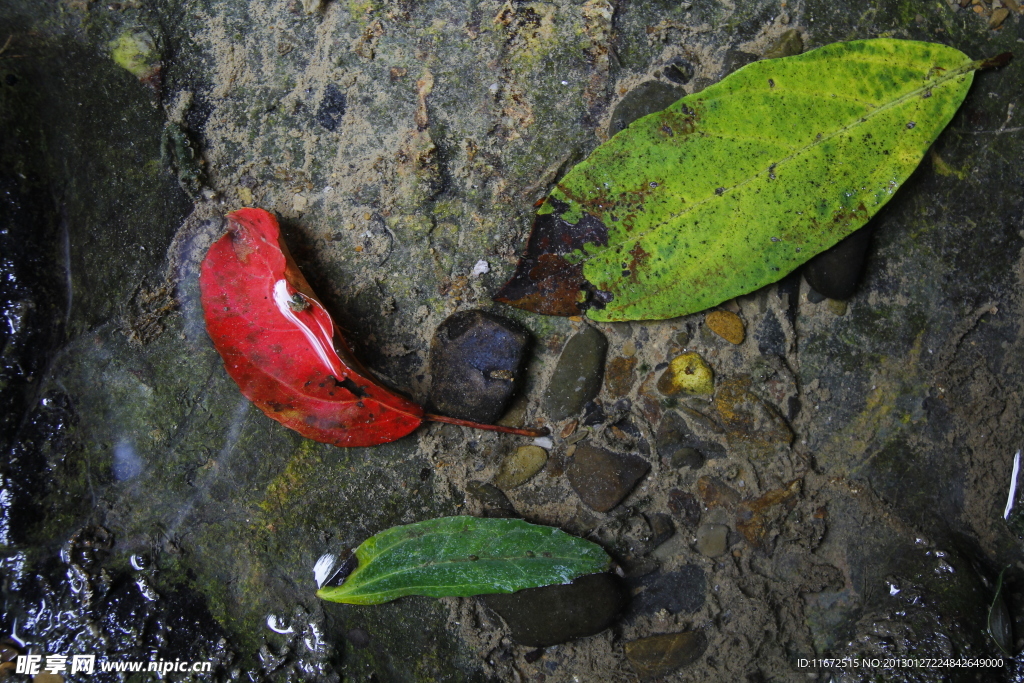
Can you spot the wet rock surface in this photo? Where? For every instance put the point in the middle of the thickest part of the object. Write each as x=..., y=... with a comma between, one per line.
x=906, y=408
x=577, y=376
x=476, y=360
x=602, y=478
x=541, y=617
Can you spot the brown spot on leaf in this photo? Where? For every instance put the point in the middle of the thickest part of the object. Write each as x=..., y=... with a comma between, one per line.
x=544, y=282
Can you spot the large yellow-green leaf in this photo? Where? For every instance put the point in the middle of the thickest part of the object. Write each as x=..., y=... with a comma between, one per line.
x=731, y=188
x=462, y=556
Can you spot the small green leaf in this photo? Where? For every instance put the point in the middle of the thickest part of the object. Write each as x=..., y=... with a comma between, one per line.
x=460, y=556
x=731, y=188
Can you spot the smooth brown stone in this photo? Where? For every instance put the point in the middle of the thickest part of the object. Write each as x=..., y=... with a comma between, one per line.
x=726, y=325
x=619, y=376
x=601, y=478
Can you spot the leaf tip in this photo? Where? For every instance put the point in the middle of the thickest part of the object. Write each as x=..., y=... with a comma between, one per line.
x=330, y=571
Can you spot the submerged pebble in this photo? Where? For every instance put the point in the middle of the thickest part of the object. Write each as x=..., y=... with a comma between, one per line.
x=577, y=376
x=679, y=70
x=660, y=655
x=601, y=478
x=685, y=506
x=332, y=107
x=771, y=339
x=476, y=360
x=836, y=272
x=620, y=376
x=517, y=467
x=549, y=615
x=678, y=591
x=676, y=443
x=726, y=325
x=493, y=499
x=662, y=528
x=687, y=374
x=712, y=539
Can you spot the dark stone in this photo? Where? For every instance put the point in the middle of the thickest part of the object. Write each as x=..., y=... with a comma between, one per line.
x=331, y=107
x=735, y=59
x=662, y=528
x=814, y=296
x=494, y=500
x=642, y=100
x=771, y=340
x=541, y=617
x=593, y=414
x=577, y=376
x=656, y=656
x=680, y=447
x=687, y=457
x=533, y=655
x=476, y=360
x=685, y=506
x=635, y=567
x=836, y=272
x=602, y=478
x=679, y=71
x=680, y=591
x=358, y=637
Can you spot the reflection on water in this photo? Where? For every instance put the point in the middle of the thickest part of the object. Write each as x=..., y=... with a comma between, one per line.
x=221, y=463
x=127, y=463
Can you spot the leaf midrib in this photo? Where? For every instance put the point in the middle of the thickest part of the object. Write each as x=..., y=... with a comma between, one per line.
x=399, y=543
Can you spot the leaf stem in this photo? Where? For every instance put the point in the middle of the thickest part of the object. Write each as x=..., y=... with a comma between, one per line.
x=543, y=431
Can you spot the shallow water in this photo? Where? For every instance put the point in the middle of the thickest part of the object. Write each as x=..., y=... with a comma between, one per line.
x=148, y=512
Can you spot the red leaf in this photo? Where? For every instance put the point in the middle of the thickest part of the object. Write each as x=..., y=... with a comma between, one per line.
x=281, y=346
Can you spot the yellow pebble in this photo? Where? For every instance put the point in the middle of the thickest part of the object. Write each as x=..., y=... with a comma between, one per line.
x=688, y=373
x=726, y=325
